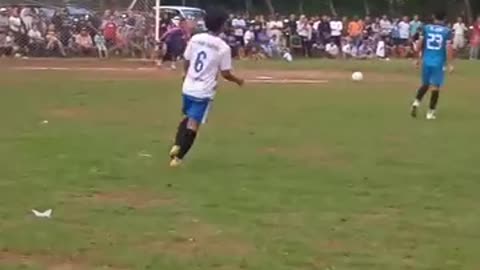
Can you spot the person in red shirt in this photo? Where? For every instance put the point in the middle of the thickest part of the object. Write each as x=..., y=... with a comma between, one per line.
x=475, y=40
x=110, y=32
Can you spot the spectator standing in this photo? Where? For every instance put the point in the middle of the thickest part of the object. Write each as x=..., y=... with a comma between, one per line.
x=459, y=30
x=110, y=32
x=376, y=27
x=404, y=32
x=336, y=29
x=239, y=26
x=275, y=27
x=385, y=26
x=324, y=31
x=415, y=25
x=27, y=14
x=475, y=40
x=249, y=37
x=15, y=23
x=355, y=30
x=4, y=20
x=305, y=31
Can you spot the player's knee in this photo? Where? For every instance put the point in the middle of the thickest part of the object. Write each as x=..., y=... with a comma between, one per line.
x=193, y=124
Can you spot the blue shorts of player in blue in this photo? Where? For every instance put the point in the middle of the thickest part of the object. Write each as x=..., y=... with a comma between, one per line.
x=433, y=76
x=196, y=108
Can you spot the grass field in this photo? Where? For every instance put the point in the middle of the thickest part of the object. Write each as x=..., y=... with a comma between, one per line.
x=303, y=177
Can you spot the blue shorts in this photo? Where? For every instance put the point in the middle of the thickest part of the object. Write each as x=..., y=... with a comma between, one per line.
x=433, y=76
x=196, y=108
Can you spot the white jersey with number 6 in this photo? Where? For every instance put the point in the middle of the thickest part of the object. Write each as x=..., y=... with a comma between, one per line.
x=208, y=55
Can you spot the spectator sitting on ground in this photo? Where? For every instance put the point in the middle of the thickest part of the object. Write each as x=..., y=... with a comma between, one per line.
x=347, y=48
x=84, y=43
x=53, y=41
x=7, y=44
x=381, y=51
x=101, y=45
x=332, y=49
x=36, y=41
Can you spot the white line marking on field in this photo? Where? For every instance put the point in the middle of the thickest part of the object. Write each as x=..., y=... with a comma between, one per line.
x=34, y=68
x=286, y=81
x=264, y=78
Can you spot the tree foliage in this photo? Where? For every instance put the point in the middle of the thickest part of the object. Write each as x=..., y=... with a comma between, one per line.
x=466, y=8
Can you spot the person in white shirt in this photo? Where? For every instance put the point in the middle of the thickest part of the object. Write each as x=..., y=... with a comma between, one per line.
x=275, y=27
x=332, y=49
x=15, y=23
x=239, y=25
x=26, y=14
x=386, y=26
x=249, y=37
x=336, y=28
x=404, y=31
x=305, y=31
x=381, y=51
x=459, y=30
x=206, y=55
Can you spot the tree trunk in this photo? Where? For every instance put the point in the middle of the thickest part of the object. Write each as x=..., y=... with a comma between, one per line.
x=301, y=4
x=270, y=7
x=391, y=7
x=469, y=13
x=366, y=5
x=331, y=5
x=248, y=6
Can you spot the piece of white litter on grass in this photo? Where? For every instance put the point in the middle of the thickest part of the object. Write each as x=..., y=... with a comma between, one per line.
x=44, y=122
x=46, y=214
x=144, y=155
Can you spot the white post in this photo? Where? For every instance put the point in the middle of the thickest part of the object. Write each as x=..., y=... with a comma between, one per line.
x=157, y=21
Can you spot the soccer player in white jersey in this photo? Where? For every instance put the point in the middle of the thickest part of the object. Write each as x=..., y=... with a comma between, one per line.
x=206, y=55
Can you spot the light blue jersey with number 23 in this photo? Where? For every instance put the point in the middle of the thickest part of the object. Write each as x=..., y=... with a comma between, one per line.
x=435, y=46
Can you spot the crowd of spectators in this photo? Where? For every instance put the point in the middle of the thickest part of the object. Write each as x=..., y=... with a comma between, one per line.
x=27, y=32
x=341, y=37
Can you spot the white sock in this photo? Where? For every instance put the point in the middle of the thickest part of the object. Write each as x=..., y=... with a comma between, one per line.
x=416, y=103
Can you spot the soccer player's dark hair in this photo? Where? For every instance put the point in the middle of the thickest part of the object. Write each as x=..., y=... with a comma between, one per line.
x=215, y=20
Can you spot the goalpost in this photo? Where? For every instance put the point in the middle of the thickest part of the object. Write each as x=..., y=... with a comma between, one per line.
x=147, y=5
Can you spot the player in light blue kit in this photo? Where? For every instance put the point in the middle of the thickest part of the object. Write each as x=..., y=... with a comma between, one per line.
x=434, y=56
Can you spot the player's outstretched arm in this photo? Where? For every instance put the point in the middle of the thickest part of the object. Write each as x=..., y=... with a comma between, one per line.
x=227, y=75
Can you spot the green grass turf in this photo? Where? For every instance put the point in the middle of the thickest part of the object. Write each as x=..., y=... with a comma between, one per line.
x=333, y=176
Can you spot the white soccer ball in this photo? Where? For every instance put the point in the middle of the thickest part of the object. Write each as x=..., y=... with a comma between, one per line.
x=357, y=76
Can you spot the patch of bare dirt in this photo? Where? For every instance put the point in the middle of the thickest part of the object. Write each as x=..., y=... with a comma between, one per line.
x=134, y=198
x=42, y=260
x=45, y=260
x=199, y=239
